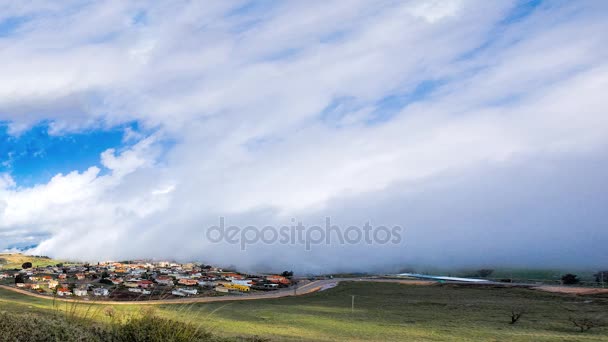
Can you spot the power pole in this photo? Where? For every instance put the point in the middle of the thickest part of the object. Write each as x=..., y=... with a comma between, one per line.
x=352, y=304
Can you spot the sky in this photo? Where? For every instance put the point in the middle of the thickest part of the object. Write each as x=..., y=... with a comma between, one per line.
x=127, y=129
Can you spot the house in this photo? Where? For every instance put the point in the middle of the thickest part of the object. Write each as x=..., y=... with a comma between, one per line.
x=221, y=289
x=178, y=293
x=62, y=276
x=144, y=284
x=189, y=291
x=101, y=291
x=20, y=285
x=64, y=291
x=242, y=282
x=232, y=276
x=188, y=282
x=231, y=286
x=184, y=292
x=80, y=292
x=80, y=276
x=277, y=279
x=207, y=283
x=116, y=281
x=131, y=284
x=164, y=280
x=53, y=284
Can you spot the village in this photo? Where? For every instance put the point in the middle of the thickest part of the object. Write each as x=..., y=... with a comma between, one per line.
x=139, y=280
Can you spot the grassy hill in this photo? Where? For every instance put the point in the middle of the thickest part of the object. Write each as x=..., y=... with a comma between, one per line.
x=383, y=312
x=15, y=260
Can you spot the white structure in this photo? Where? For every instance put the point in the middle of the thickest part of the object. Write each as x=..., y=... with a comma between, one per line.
x=184, y=292
x=80, y=292
x=207, y=283
x=242, y=282
x=178, y=293
x=101, y=292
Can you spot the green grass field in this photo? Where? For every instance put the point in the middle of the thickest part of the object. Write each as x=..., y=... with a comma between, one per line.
x=15, y=260
x=383, y=311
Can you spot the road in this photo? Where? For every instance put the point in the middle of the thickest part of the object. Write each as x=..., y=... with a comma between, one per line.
x=310, y=287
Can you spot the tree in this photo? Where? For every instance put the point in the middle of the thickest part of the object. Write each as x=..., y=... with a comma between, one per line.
x=570, y=279
x=106, y=281
x=287, y=274
x=586, y=323
x=19, y=279
x=516, y=315
x=26, y=265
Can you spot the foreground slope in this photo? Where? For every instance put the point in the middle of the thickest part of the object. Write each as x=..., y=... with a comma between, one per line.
x=383, y=311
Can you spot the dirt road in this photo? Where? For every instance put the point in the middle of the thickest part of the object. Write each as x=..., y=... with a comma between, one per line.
x=306, y=288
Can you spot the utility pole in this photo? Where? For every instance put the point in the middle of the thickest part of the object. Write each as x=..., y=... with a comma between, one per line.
x=352, y=304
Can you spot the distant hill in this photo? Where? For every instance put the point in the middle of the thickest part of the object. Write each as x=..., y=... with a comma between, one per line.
x=15, y=260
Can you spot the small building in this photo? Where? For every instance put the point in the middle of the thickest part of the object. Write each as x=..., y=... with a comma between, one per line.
x=131, y=284
x=116, y=281
x=144, y=284
x=182, y=292
x=101, y=292
x=64, y=291
x=80, y=292
x=164, y=280
x=188, y=282
x=221, y=289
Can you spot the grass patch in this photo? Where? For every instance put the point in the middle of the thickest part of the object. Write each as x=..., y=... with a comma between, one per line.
x=383, y=311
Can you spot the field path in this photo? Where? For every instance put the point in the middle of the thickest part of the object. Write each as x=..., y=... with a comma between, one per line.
x=306, y=288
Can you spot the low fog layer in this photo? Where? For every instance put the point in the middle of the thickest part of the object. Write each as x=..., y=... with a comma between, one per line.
x=480, y=128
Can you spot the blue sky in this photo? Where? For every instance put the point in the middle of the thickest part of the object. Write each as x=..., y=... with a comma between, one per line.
x=34, y=157
x=123, y=121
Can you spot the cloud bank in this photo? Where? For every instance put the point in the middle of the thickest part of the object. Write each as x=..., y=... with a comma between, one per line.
x=480, y=127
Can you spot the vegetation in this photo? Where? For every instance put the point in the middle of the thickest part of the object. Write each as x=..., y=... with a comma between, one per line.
x=17, y=261
x=143, y=327
x=570, y=279
x=383, y=311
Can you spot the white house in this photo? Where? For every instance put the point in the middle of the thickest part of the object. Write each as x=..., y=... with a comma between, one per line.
x=178, y=293
x=80, y=292
x=101, y=292
x=184, y=292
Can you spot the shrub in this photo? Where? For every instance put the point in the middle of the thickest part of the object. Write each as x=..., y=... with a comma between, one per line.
x=570, y=279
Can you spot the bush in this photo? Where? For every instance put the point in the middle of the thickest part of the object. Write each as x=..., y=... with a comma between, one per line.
x=150, y=328
x=32, y=328
x=570, y=279
x=145, y=327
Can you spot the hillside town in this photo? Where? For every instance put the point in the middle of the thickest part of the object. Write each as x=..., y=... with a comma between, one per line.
x=139, y=280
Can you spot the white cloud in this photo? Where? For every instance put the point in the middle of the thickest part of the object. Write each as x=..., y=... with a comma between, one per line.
x=241, y=93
